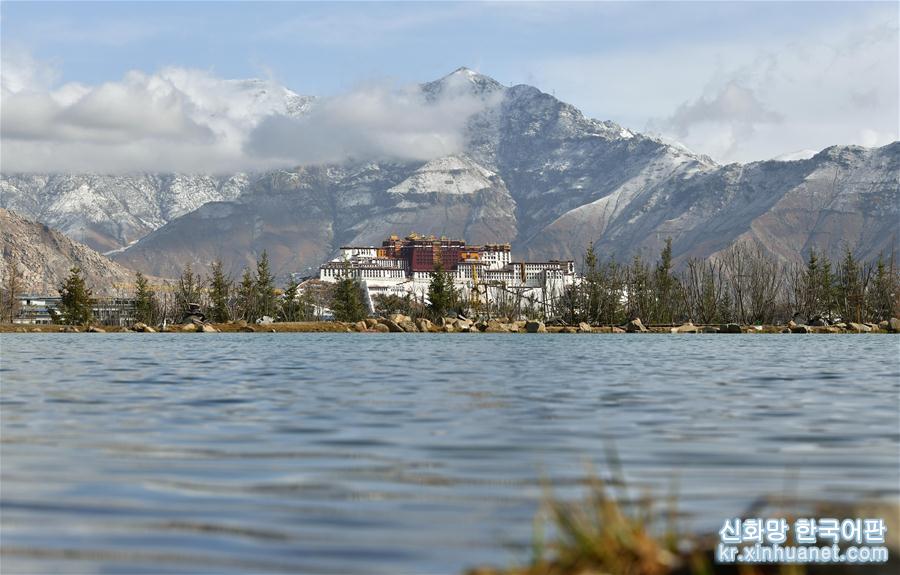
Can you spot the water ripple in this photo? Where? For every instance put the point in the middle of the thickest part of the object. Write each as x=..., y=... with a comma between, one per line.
x=355, y=454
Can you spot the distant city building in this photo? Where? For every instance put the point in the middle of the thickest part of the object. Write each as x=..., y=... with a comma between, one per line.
x=486, y=273
x=36, y=309
x=42, y=309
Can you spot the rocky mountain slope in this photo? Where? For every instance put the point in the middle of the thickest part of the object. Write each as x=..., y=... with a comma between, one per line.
x=842, y=197
x=535, y=172
x=45, y=255
x=109, y=212
x=301, y=217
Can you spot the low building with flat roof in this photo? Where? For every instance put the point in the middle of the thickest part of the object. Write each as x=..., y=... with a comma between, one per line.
x=44, y=309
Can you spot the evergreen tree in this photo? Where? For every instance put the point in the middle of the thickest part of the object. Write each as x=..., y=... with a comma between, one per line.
x=295, y=306
x=347, y=301
x=246, y=297
x=9, y=296
x=812, y=283
x=145, y=306
x=827, y=290
x=639, y=295
x=726, y=307
x=219, y=292
x=851, y=297
x=266, y=300
x=664, y=286
x=187, y=291
x=883, y=296
x=76, y=303
x=442, y=294
x=568, y=305
x=592, y=287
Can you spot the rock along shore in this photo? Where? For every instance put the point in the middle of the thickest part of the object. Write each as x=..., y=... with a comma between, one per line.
x=398, y=323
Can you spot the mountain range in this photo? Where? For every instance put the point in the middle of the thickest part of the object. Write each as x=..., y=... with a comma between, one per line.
x=532, y=171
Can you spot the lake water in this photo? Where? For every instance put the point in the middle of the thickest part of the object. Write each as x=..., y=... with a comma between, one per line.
x=394, y=453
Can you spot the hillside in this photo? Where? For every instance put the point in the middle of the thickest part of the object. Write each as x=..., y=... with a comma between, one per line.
x=45, y=255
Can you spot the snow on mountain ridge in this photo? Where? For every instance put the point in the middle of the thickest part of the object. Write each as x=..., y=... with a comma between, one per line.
x=109, y=212
x=447, y=175
x=462, y=81
x=796, y=155
x=534, y=171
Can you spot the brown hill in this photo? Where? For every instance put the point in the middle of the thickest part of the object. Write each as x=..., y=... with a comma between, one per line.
x=45, y=255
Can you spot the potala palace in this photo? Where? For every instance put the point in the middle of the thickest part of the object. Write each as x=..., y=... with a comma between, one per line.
x=486, y=273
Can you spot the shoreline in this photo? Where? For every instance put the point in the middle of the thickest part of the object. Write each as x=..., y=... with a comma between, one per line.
x=405, y=325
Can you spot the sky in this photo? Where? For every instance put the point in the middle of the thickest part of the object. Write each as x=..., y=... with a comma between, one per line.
x=147, y=86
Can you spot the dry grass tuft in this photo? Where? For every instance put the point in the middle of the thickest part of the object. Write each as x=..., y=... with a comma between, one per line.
x=611, y=533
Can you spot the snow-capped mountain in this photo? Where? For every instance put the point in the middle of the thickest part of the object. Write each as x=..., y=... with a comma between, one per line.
x=534, y=171
x=845, y=196
x=301, y=217
x=108, y=212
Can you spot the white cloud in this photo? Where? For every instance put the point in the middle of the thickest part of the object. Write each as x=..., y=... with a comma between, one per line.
x=150, y=107
x=369, y=123
x=191, y=121
x=744, y=100
x=19, y=71
x=722, y=121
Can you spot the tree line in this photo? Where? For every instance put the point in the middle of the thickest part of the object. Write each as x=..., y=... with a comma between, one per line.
x=742, y=285
x=221, y=299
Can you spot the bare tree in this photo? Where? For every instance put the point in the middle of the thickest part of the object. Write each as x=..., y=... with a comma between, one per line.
x=763, y=287
x=12, y=289
x=703, y=289
x=734, y=261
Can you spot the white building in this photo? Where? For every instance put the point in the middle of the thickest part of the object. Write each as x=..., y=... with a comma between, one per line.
x=484, y=273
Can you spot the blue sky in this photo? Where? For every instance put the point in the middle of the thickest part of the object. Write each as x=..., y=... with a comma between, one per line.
x=324, y=47
x=751, y=68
